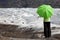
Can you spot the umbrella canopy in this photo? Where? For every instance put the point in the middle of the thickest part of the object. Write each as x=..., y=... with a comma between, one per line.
x=45, y=11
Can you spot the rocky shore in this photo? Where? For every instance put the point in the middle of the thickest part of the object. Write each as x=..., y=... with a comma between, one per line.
x=11, y=32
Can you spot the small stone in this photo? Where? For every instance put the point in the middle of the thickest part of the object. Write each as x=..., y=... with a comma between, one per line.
x=4, y=20
x=12, y=21
x=22, y=22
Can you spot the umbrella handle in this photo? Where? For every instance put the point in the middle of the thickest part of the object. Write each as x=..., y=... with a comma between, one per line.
x=47, y=29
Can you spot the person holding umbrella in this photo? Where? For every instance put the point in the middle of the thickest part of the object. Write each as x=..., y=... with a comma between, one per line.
x=46, y=11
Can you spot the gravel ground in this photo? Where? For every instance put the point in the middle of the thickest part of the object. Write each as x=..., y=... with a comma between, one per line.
x=9, y=38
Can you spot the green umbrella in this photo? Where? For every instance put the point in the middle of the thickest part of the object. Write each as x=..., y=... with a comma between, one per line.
x=46, y=11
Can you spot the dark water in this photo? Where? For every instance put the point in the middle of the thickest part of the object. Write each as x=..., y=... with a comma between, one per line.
x=3, y=3
x=28, y=3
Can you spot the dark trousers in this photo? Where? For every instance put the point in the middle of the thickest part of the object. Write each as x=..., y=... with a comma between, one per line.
x=47, y=29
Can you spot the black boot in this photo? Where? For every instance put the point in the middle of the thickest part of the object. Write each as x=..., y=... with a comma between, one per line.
x=47, y=30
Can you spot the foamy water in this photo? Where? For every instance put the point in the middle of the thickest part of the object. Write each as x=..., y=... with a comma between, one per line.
x=26, y=17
